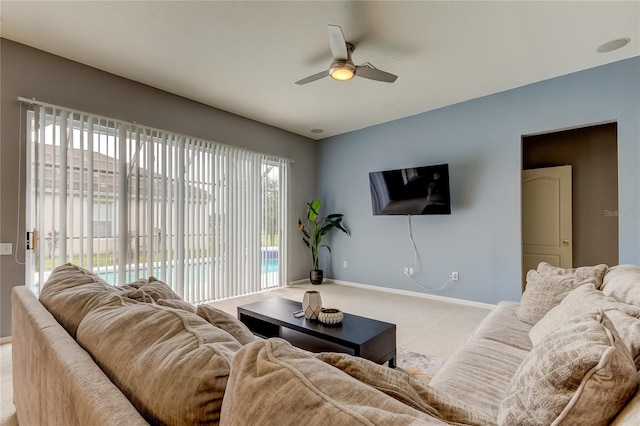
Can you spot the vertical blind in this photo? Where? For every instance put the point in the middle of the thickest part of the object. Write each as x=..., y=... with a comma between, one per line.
x=129, y=202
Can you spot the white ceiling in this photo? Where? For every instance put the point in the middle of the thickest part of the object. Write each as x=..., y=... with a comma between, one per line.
x=244, y=57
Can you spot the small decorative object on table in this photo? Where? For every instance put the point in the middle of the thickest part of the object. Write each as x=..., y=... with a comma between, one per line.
x=311, y=304
x=330, y=316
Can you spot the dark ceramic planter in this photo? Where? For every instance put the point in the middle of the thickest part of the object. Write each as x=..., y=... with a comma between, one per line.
x=316, y=276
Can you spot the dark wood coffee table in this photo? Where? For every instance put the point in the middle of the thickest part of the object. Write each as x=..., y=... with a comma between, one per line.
x=356, y=335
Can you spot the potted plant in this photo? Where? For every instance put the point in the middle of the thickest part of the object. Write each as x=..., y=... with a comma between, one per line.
x=316, y=228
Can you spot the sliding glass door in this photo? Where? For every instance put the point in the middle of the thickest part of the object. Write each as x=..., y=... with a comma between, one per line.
x=129, y=201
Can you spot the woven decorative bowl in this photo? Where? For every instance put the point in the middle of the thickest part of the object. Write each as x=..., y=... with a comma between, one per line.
x=330, y=316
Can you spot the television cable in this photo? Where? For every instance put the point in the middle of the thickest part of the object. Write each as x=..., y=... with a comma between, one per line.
x=417, y=261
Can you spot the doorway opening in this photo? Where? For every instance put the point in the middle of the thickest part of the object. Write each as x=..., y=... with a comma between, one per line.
x=592, y=153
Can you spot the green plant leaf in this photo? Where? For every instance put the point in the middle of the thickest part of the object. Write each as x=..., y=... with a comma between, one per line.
x=337, y=224
x=313, y=209
x=343, y=229
x=317, y=227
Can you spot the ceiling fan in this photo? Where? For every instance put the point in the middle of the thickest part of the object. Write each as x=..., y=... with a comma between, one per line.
x=342, y=67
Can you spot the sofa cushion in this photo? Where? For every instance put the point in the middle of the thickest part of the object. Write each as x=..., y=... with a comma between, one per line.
x=478, y=374
x=72, y=291
x=628, y=328
x=215, y=317
x=273, y=383
x=502, y=325
x=136, y=294
x=226, y=322
x=409, y=391
x=584, y=299
x=177, y=304
x=152, y=287
x=579, y=374
x=171, y=364
x=630, y=414
x=594, y=274
x=547, y=286
x=622, y=282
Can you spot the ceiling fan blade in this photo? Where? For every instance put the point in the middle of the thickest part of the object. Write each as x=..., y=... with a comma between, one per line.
x=314, y=77
x=337, y=43
x=375, y=74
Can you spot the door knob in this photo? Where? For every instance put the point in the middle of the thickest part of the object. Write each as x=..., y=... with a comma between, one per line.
x=565, y=242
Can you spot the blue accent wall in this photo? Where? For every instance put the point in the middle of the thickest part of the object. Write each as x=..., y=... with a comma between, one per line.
x=481, y=141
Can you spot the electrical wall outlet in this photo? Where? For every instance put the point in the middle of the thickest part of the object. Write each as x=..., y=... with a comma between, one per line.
x=454, y=276
x=408, y=270
x=6, y=249
x=344, y=263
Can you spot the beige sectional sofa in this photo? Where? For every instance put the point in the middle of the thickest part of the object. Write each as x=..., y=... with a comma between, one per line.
x=88, y=353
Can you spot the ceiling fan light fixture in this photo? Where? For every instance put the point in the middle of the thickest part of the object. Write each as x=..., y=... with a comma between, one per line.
x=342, y=70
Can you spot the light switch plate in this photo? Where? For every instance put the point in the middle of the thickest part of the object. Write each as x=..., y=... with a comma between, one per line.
x=5, y=249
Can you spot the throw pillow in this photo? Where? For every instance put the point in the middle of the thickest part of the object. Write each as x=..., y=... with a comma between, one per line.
x=579, y=374
x=153, y=287
x=543, y=293
x=595, y=274
x=177, y=304
x=584, y=299
x=171, y=364
x=136, y=294
x=226, y=322
x=628, y=328
x=622, y=282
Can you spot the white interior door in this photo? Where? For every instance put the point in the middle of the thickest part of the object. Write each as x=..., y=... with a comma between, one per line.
x=546, y=218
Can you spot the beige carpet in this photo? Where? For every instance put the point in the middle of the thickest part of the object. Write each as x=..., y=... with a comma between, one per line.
x=428, y=331
x=7, y=411
x=423, y=325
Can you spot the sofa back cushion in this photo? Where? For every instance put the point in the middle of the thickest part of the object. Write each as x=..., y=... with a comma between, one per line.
x=72, y=291
x=171, y=364
x=273, y=383
x=584, y=299
x=622, y=282
x=151, y=288
x=548, y=285
x=177, y=304
x=630, y=414
x=226, y=322
x=579, y=374
x=594, y=274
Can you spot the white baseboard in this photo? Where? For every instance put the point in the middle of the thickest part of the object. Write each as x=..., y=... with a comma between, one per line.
x=303, y=281
x=6, y=339
x=415, y=294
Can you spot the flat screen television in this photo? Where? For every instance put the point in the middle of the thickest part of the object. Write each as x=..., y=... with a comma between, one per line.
x=412, y=191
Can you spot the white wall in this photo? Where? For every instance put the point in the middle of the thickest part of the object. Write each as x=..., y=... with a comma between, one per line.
x=481, y=141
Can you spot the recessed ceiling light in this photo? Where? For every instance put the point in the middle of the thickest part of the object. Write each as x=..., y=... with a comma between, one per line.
x=317, y=130
x=613, y=45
